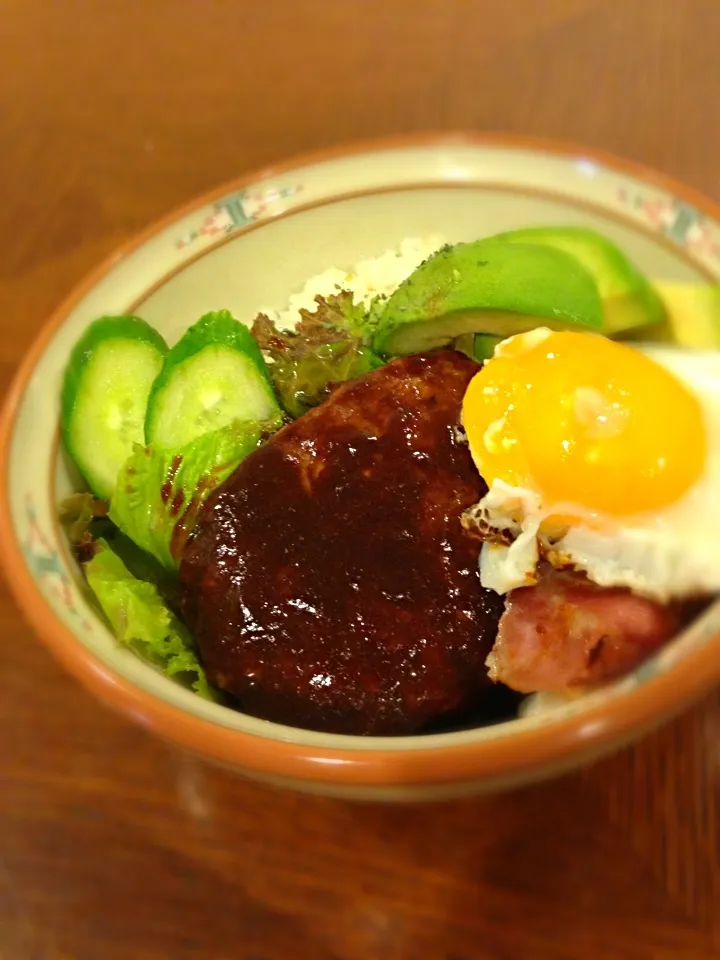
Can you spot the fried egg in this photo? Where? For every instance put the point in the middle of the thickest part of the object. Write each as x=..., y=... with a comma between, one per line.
x=600, y=457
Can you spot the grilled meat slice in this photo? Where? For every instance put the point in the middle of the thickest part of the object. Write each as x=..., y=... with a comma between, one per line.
x=567, y=632
x=330, y=584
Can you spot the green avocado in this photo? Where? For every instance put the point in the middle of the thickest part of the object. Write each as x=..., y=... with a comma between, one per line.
x=489, y=287
x=693, y=311
x=629, y=300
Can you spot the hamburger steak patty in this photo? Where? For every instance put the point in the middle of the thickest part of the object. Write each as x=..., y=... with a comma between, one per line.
x=330, y=583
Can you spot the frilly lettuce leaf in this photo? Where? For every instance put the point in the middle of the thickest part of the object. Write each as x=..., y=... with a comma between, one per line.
x=141, y=620
x=82, y=516
x=304, y=382
x=326, y=348
x=340, y=314
x=160, y=492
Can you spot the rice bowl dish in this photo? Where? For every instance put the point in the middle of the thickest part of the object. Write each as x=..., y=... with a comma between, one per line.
x=492, y=742
x=475, y=398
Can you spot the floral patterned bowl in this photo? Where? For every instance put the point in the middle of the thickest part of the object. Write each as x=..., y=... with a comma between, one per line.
x=251, y=245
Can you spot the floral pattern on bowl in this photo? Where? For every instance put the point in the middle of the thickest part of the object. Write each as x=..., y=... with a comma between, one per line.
x=49, y=567
x=239, y=210
x=675, y=219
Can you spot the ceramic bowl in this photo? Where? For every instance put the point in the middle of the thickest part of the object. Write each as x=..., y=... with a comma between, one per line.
x=250, y=245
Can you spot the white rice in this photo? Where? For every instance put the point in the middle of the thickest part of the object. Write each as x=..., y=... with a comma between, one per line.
x=366, y=280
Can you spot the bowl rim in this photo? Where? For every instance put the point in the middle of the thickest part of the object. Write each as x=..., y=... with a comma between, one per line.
x=554, y=742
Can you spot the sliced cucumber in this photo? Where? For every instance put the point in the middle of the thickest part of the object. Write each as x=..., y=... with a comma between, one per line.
x=214, y=376
x=104, y=395
x=490, y=287
x=629, y=299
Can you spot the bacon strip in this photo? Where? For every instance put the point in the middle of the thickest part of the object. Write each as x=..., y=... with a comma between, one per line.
x=567, y=632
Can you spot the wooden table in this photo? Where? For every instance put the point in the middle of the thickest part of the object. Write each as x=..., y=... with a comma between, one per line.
x=114, y=847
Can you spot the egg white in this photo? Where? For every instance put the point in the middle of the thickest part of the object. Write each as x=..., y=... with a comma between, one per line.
x=666, y=554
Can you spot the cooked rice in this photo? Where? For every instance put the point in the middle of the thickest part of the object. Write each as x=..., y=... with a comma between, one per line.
x=367, y=279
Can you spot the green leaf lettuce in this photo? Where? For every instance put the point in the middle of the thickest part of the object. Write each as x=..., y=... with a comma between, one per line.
x=160, y=493
x=326, y=348
x=140, y=619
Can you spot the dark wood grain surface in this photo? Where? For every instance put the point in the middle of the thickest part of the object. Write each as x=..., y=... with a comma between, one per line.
x=114, y=847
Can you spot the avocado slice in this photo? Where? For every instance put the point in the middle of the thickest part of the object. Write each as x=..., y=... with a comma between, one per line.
x=628, y=297
x=693, y=311
x=490, y=287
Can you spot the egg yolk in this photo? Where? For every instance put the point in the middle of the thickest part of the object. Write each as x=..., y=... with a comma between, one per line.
x=583, y=420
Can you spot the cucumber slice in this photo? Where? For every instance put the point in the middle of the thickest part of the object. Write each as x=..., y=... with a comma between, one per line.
x=213, y=376
x=629, y=299
x=489, y=287
x=104, y=395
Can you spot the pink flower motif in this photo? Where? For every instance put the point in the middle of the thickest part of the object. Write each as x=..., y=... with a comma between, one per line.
x=657, y=212
x=237, y=211
x=700, y=241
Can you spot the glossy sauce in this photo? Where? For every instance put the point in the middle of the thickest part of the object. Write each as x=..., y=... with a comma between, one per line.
x=330, y=583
